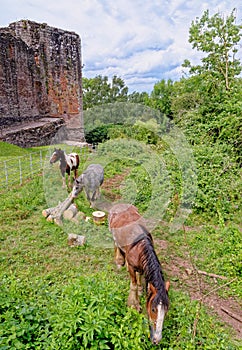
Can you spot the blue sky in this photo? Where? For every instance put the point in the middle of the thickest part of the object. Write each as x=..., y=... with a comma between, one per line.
x=141, y=41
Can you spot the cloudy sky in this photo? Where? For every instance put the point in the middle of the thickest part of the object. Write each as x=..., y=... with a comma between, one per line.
x=141, y=41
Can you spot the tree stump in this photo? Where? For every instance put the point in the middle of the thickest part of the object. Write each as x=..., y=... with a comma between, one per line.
x=99, y=217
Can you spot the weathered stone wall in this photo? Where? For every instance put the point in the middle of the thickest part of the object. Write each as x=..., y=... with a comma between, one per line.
x=18, y=96
x=40, y=75
x=39, y=133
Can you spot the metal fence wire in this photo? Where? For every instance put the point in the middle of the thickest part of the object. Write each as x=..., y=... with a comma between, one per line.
x=16, y=170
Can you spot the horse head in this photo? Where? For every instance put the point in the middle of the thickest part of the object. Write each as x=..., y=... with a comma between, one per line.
x=77, y=186
x=157, y=306
x=56, y=155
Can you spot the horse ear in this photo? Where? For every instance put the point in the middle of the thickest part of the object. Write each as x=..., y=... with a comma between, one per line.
x=167, y=285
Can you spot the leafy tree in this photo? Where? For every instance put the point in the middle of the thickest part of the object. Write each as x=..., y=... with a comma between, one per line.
x=218, y=38
x=118, y=90
x=98, y=90
x=138, y=97
x=95, y=91
x=160, y=97
x=187, y=96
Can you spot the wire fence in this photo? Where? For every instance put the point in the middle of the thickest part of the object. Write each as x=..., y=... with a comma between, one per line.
x=18, y=169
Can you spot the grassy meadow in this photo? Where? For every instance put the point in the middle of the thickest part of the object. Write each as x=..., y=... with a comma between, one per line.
x=57, y=297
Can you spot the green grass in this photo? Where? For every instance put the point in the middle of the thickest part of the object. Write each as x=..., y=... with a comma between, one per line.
x=54, y=296
x=9, y=150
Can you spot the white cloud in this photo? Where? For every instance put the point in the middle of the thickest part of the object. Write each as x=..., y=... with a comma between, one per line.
x=140, y=41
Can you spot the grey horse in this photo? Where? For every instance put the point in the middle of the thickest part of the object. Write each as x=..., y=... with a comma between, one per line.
x=91, y=180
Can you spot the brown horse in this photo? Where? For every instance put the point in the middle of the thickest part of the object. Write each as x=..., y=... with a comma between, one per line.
x=134, y=245
x=68, y=163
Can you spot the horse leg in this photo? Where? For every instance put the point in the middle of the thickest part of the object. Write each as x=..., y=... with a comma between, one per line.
x=119, y=257
x=69, y=177
x=93, y=200
x=92, y=204
x=75, y=174
x=133, y=298
x=63, y=181
x=97, y=193
x=95, y=196
x=74, y=177
x=69, y=180
x=63, y=174
x=139, y=283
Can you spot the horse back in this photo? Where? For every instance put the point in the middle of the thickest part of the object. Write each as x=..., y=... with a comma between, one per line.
x=93, y=176
x=122, y=215
x=127, y=225
x=74, y=161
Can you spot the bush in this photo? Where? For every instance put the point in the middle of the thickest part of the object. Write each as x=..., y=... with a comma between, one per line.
x=98, y=134
x=88, y=315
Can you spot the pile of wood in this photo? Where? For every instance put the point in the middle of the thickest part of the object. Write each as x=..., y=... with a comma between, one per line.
x=66, y=209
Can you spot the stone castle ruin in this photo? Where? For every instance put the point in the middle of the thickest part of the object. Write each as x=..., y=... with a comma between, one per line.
x=40, y=84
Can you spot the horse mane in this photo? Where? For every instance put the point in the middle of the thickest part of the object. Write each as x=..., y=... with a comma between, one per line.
x=62, y=154
x=152, y=269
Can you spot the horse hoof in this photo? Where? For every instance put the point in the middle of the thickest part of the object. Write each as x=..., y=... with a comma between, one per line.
x=137, y=307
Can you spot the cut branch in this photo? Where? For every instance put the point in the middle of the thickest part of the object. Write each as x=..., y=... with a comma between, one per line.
x=213, y=275
x=217, y=288
x=231, y=314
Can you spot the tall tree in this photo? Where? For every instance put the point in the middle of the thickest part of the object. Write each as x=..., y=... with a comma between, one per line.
x=118, y=90
x=160, y=97
x=99, y=90
x=138, y=97
x=218, y=38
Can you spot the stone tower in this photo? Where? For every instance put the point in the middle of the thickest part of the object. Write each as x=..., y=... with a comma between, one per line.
x=41, y=77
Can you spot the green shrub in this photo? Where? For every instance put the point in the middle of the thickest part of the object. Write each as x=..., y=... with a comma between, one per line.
x=91, y=313
x=98, y=134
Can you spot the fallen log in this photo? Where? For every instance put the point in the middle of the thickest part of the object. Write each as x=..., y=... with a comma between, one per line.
x=47, y=212
x=55, y=213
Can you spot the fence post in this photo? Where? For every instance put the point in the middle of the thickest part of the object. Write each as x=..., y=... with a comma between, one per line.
x=20, y=171
x=6, y=172
x=41, y=160
x=31, y=163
